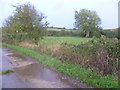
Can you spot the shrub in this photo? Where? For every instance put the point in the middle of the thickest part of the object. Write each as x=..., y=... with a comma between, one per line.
x=101, y=55
x=110, y=34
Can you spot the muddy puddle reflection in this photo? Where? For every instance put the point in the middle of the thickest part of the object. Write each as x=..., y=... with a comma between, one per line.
x=41, y=77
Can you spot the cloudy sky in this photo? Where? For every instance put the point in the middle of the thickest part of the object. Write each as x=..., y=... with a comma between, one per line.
x=60, y=13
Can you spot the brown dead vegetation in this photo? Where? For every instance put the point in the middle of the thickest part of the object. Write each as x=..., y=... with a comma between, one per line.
x=27, y=44
x=54, y=50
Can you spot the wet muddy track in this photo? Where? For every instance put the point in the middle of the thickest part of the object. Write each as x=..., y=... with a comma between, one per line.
x=29, y=73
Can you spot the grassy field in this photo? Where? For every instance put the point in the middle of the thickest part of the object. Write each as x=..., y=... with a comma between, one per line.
x=72, y=70
x=70, y=40
x=53, y=29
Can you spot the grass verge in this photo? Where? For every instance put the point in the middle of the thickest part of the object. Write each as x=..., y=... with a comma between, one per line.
x=72, y=70
x=7, y=71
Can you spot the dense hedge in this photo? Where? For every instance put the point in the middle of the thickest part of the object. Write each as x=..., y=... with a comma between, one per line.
x=59, y=33
x=110, y=34
x=81, y=33
x=101, y=55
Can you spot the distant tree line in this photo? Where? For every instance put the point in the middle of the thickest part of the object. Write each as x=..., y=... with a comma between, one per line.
x=80, y=33
x=56, y=27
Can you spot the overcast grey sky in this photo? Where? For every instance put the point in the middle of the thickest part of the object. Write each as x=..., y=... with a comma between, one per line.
x=60, y=13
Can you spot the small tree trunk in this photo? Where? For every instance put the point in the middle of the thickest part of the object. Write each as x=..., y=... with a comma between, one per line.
x=88, y=34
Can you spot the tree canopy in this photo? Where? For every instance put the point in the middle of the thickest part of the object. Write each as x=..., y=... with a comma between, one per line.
x=87, y=20
x=26, y=22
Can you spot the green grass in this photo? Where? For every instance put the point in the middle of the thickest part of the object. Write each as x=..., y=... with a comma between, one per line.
x=72, y=70
x=70, y=40
x=53, y=29
x=7, y=71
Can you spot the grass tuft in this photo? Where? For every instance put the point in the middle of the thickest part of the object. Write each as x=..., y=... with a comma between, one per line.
x=7, y=71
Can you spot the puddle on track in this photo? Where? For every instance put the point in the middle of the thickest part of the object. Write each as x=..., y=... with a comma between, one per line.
x=40, y=76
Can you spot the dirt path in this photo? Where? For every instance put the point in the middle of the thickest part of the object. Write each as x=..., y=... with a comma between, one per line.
x=29, y=73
